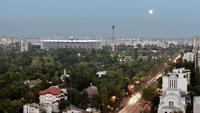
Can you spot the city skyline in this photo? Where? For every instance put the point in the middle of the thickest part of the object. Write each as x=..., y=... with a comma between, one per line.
x=170, y=19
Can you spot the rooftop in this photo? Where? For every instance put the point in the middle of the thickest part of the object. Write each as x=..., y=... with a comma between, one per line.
x=71, y=41
x=91, y=91
x=33, y=83
x=101, y=73
x=75, y=109
x=54, y=90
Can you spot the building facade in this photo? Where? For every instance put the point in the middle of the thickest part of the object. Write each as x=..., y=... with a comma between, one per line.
x=52, y=96
x=174, y=92
x=48, y=101
x=36, y=108
x=189, y=57
x=196, y=104
x=82, y=44
x=196, y=52
x=24, y=45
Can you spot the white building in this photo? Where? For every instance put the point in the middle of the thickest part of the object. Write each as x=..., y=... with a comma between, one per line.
x=196, y=52
x=73, y=109
x=24, y=45
x=174, y=91
x=196, y=104
x=189, y=57
x=83, y=44
x=8, y=40
x=32, y=108
x=183, y=73
x=172, y=101
x=52, y=96
x=36, y=108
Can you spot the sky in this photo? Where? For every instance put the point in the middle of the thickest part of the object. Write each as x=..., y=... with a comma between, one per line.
x=38, y=18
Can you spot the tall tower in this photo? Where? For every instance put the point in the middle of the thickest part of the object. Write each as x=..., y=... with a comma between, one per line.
x=113, y=38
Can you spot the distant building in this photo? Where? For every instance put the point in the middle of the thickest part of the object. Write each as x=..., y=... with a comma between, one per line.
x=82, y=44
x=5, y=41
x=142, y=57
x=8, y=40
x=189, y=57
x=196, y=104
x=196, y=42
x=184, y=73
x=174, y=92
x=125, y=58
x=134, y=42
x=196, y=52
x=101, y=73
x=24, y=45
x=197, y=60
x=49, y=100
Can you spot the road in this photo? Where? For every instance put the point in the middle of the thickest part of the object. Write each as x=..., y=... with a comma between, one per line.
x=134, y=103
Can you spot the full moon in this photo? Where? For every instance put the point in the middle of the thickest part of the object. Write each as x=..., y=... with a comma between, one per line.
x=151, y=11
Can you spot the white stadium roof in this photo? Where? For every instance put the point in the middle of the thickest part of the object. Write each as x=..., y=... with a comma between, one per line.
x=71, y=40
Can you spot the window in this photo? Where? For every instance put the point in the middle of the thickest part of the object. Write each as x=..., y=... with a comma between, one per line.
x=171, y=103
x=165, y=111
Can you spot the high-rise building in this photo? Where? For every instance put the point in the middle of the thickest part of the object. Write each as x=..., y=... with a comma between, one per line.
x=196, y=52
x=24, y=45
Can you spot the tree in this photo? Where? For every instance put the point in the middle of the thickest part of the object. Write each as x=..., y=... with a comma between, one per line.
x=76, y=98
x=104, y=98
x=148, y=94
x=63, y=104
x=96, y=101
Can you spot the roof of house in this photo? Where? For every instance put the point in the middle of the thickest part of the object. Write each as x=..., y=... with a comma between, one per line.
x=74, y=109
x=91, y=91
x=101, y=73
x=35, y=82
x=54, y=90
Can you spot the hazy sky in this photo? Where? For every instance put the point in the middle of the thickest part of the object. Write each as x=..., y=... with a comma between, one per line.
x=172, y=18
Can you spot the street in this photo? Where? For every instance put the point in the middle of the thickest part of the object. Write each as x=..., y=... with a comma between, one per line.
x=134, y=103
